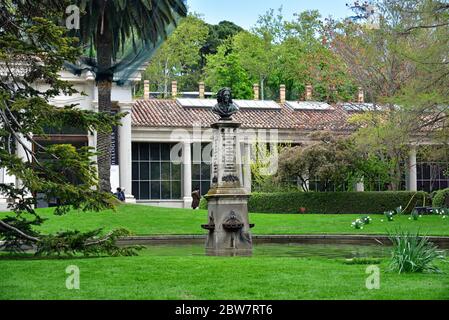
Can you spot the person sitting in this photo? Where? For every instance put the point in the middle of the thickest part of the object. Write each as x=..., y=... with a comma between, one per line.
x=120, y=195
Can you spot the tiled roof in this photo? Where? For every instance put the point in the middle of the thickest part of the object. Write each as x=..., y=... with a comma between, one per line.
x=169, y=113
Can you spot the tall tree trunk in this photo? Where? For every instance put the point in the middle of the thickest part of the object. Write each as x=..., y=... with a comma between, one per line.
x=104, y=77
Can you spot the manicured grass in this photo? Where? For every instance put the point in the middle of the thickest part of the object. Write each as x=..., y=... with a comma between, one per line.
x=153, y=276
x=144, y=220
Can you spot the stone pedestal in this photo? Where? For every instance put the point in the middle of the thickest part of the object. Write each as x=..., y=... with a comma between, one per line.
x=229, y=227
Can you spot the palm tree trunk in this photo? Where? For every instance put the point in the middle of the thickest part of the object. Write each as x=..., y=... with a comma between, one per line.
x=105, y=77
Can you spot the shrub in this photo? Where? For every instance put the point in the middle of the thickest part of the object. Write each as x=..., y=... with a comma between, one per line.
x=413, y=253
x=443, y=212
x=358, y=224
x=389, y=215
x=441, y=199
x=366, y=220
x=334, y=202
x=415, y=215
x=203, y=203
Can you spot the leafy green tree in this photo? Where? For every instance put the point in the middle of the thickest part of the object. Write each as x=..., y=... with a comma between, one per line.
x=224, y=69
x=32, y=49
x=218, y=34
x=401, y=64
x=306, y=58
x=179, y=57
x=257, y=56
x=329, y=159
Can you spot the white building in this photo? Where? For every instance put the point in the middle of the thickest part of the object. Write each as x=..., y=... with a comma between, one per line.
x=160, y=153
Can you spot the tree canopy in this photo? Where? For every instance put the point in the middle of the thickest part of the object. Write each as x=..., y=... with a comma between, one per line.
x=33, y=48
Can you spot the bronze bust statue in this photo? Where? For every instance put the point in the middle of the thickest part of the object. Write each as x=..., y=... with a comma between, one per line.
x=225, y=108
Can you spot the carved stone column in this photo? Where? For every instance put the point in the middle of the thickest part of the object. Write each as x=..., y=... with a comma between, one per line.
x=229, y=227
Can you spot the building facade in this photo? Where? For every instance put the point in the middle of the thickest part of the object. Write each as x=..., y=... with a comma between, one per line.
x=162, y=150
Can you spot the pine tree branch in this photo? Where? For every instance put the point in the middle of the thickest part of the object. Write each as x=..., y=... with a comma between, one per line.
x=22, y=234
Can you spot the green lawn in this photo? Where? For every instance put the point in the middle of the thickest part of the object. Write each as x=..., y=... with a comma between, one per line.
x=144, y=220
x=159, y=273
x=153, y=276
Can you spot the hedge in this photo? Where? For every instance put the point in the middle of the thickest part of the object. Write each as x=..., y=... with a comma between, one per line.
x=441, y=199
x=334, y=202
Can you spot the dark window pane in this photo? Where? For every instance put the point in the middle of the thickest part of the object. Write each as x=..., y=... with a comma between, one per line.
x=156, y=190
x=418, y=171
x=176, y=190
x=426, y=186
x=205, y=172
x=176, y=171
x=135, y=172
x=155, y=152
x=144, y=151
x=165, y=170
x=205, y=186
x=166, y=190
x=165, y=151
x=196, y=171
x=135, y=147
x=144, y=171
x=136, y=190
x=144, y=191
x=426, y=171
x=155, y=171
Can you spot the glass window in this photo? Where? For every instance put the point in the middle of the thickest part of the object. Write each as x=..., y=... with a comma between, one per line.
x=144, y=190
x=135, y=170
x=144, y=152
x=155, y=151
x=144, y=172
x=155, y=190
x=155, y=171
x=431, y=176
x=201, y=176
x=176, y=171
x=166, y=173
x=154, y=176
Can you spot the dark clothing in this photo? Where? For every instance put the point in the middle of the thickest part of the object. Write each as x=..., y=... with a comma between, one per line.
x=120, y=195
x=196, y=199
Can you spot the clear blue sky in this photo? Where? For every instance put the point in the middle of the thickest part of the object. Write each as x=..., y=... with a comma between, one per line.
x=245, y=13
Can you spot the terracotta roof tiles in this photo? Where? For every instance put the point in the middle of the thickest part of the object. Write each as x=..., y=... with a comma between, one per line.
x=169, y=113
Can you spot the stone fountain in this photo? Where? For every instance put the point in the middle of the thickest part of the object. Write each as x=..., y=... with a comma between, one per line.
x=229, y=227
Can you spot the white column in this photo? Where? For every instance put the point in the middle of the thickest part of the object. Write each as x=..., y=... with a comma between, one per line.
x=413, y=184
x=247, y=179
x=125, y=153
x=187, y=173
x=22, y=153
